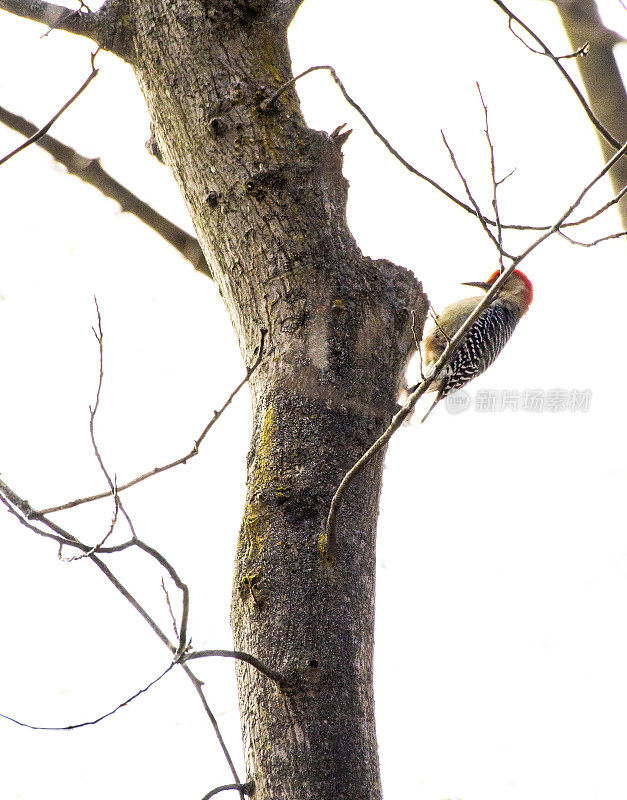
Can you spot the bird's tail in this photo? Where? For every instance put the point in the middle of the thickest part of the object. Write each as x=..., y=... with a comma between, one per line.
x=438, y=397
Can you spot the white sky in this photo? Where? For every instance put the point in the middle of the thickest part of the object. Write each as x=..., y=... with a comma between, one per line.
x=502, y=587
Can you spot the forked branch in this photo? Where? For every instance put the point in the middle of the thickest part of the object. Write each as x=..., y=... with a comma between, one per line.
x=326, y=538
x=267, y=104
x=183, y=459
x=108, y=27
x=42, y=131
x=557, y=60
x=78, y=21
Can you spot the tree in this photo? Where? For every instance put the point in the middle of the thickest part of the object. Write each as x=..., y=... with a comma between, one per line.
x=600, y=74
x=340, y=330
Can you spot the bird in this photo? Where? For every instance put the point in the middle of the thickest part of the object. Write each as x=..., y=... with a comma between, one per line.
x=484, y=340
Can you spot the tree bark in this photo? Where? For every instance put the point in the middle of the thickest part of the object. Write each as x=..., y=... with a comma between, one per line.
x=601, y=78
x=268, y=201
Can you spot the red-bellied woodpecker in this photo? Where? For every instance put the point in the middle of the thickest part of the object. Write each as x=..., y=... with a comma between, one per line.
x=484, y=340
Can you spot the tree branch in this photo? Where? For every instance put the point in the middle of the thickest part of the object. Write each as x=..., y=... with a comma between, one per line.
x=617, y=235
x=581, y=51
x=556, y=60
x=246, y=788
x=601, y=77
x=197, y=683
x=180, y=585
x=495, y=183
x=90, y=171
x=93, y=721
x=275, y=676
x=54, y=16
x=108, y=27
x=326, y=537
x=267, y=104
x=183, y=459
x=23, y=512
x=478, y=212
x=42, y=131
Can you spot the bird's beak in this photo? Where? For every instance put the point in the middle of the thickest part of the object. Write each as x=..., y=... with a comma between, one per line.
x=478, y=284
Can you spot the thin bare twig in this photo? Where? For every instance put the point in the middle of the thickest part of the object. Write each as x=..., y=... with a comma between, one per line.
x=618, y=235
x=60, y=536
x=275, y=676
x=182, y=636
x=582, y=51
x=23, y=511
x=51, y=122
x=556, y=60
x=475, y=205
x=184, y=589
x=136, y=605
x=269, y=102
x=184, y=459
x=93, y=721
x=616, y=199
x=326, y=538
x=97, y=548
x=416, y=341
x=197, y=683
x=169, y=604
x=92, y=419
x=495, y=183
x=266, y=104
x=608, y=166
x=436, y=322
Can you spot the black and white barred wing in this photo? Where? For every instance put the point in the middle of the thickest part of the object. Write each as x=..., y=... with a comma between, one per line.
x=484, y=341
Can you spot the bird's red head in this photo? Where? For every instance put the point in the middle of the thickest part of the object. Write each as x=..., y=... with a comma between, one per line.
x=518, y=287
x=517, y=275
x=517, y=284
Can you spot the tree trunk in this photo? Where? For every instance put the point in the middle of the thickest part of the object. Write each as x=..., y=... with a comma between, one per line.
x=268, y=202
x=601, y=78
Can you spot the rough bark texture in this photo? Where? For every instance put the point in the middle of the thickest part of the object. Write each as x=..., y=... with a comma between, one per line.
x=268, y=200
x=601, y=78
